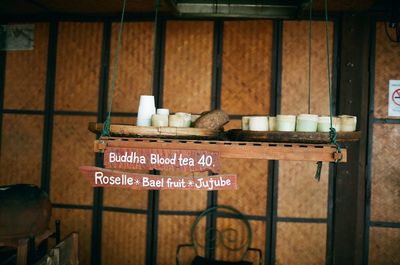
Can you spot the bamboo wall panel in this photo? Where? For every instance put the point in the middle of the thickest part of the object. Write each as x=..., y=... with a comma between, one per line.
x=172, y=231
x=246, y=67
x=300, y=244
x=123, y=238
x=300, y=195
x=295, y=68
x=134, y=70
x=183, y=200
x=21, y=149
x=72, y=147
x=78, y=66
x=251, y=195
x=80, y=221
x=238, y=238
x=385, y=182
x=25, y=75
x=233, y=124
x=188, y=66
x=126, y=198
x=384, y=246
x=386, y=68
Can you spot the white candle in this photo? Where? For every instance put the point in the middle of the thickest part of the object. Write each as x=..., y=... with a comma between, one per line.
x=159, y=120
x=245, y=123
x=285, y=123
x=258, y=123
x=306, y=123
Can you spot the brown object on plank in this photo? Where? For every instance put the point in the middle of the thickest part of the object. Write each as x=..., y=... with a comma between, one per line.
x=213, y=120
x=161, y=132
x=291, y=137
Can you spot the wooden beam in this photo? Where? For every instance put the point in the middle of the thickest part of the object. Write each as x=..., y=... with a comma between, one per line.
x=227, y=149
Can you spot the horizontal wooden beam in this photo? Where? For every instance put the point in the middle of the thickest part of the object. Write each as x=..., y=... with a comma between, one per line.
x=228, y=149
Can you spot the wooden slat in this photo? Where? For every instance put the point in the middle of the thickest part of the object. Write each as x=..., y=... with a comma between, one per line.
x=249, y=150
x=138, y=131
x=291, y=137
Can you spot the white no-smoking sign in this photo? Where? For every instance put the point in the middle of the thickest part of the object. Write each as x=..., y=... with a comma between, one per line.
x=394, y=98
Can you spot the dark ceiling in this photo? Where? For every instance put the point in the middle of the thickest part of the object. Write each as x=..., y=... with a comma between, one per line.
x=188, y=8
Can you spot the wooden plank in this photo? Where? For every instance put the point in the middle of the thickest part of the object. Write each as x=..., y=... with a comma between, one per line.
x=291, y=137
x=226, y=149
x=161, y=159
x=162, y=132
x=100, y=177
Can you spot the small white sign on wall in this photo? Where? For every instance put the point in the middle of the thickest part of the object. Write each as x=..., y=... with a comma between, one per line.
x=394, y=98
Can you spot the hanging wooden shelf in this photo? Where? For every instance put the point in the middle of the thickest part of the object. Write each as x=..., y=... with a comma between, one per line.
x=231, y=149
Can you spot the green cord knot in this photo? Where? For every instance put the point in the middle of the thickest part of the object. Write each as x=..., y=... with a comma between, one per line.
x=319, y=169
x=332, y=139
x=106, y=128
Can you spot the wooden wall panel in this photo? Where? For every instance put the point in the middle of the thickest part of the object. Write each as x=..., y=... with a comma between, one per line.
x=21, y=149
x=246, y=74
x=125, y=198
x=385, y=182
x=134, y=70
x=25, y=76
x=172, y=231
x=123, y=238
x=384, y=246
x=188, y=66
x=80, y=221
x=72, y=147
x=295, y=68
x=78, y=66
x=251, y=195
x=299, y=194
x=386, y=68
x=300, y=244
x=183, y=200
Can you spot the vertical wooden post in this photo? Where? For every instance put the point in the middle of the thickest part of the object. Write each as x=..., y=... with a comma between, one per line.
x=350, y=179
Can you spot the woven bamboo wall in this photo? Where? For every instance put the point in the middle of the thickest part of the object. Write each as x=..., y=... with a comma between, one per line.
x=78, y=61
x=80, y=221
x=134, y=65
x=246, y=67
x=295, y=68
x=25, y=77
x=384, y=246
x=386, y=68
x=188, y=66
x=301, y=244
x=123, y=238
x=21, y=148
x=251, y=195
x=72, y=147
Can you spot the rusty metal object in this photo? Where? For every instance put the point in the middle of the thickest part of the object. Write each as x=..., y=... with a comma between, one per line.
x=25, y=211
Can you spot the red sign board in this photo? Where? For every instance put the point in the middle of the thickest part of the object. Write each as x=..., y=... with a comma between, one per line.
x=100, y=177
x=161, y=159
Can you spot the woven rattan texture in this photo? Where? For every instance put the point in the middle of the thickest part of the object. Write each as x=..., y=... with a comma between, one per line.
x=385, y=182
x=21, y=149
x=386, y=68
x=295, y=68
x=78, y=66
x=80, y=221
x=123, y=238
x=172, y=231
x=384, y=246
x=183, y=200
x=134, y=69
x=251, y=194
x=72, y=147
x=246, y=67
x=299, y=194
x=188, y=66
x=300, y=244
x=25, y=75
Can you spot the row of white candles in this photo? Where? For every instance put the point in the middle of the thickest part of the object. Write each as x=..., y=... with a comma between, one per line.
x=299, y=123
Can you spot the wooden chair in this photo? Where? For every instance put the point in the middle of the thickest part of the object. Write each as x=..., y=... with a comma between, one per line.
x=221, y=235
x=64, y=253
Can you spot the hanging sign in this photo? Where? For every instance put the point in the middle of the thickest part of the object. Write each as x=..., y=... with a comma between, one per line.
x=394, y=98
x=161, y=159
x=100, y=177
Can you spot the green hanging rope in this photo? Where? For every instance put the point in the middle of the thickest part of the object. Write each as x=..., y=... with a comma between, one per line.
x=332, y=131
x=106, y=126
